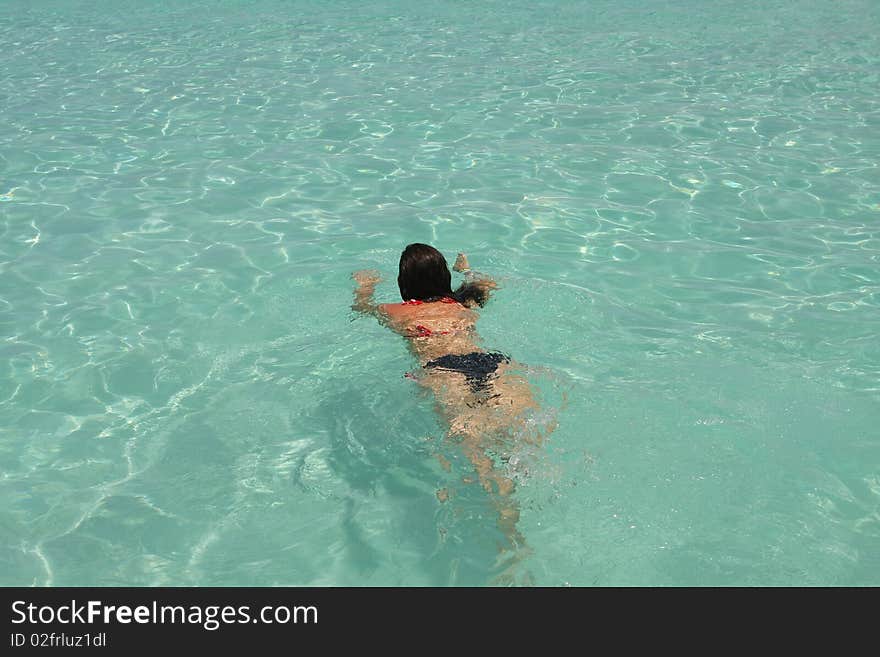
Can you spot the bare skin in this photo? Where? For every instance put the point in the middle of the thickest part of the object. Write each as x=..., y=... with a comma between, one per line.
x=483, y=422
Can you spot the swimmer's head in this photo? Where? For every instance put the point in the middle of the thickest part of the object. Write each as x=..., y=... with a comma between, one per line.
x=423, y=273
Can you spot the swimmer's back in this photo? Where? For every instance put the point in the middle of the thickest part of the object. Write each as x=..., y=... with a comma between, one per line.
x=434, y=328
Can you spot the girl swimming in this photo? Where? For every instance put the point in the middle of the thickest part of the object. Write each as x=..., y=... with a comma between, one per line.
x=479, y=394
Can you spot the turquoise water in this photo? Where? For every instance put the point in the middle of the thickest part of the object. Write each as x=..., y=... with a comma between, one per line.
x=681, y=201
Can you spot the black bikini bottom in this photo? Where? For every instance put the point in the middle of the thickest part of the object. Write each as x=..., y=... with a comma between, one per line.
x=476, y=366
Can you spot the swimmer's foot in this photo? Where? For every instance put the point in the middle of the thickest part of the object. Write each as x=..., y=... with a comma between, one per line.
x=512, y=578
x=510, y=570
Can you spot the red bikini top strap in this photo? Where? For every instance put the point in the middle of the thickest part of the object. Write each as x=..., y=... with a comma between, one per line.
x=425, y=332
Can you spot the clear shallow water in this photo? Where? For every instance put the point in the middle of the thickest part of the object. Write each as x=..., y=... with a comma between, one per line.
x=682, y=203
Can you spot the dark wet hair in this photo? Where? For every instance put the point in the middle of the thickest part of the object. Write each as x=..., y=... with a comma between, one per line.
x=424, y=276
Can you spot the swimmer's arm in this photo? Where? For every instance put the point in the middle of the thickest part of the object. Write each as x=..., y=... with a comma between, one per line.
x=471, y=277
x=363, y=294
x=463, y=266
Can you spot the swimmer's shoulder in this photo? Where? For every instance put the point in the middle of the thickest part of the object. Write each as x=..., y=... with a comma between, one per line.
x=391, y=309
x=415, y=310
x=404, y=314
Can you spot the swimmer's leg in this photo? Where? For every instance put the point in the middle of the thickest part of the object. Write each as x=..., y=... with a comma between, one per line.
x=500, y=488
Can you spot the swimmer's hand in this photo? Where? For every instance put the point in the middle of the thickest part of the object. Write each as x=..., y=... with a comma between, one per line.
x=461, y=263
x=363, y=295
x=366, y=277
